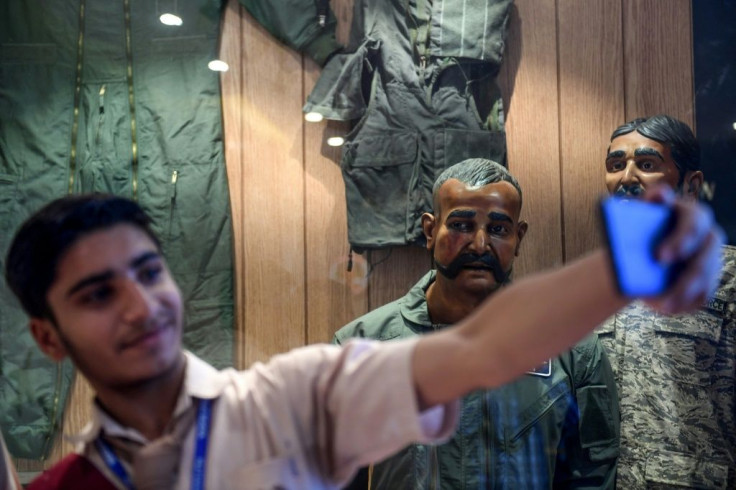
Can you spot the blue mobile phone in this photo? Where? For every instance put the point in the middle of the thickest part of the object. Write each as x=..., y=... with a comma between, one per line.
x=633, y=231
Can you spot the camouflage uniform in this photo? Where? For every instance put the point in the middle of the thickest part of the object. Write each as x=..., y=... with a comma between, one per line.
x=676, y=379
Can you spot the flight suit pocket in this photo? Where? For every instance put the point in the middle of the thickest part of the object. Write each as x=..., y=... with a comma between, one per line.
x=598, y=430
x=665, y=469
x=378, y=169
x=274, y=474
x=532, y=412
x=685, y=347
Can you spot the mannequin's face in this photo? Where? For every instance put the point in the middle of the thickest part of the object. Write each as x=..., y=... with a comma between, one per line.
x=477, y=224
x=635, y=162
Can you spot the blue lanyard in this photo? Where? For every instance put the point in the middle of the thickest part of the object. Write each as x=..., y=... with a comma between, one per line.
x=204, y=416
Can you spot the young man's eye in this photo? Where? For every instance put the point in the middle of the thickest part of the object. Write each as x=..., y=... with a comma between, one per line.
x=150, y=273
x=97, y=295
x=646, y=166
x=614, y=166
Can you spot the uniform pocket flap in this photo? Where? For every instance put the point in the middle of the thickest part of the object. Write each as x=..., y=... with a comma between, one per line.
x=386, y=150
x=681, y=470
x=701, y=324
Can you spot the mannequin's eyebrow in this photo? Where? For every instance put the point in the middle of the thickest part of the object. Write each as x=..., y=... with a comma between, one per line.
x=494, y=216
x=461, y=213
x=646, y=151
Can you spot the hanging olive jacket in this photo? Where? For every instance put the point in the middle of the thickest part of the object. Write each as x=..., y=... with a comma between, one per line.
x=101, y=96
x=418, y=81
x=557, y=427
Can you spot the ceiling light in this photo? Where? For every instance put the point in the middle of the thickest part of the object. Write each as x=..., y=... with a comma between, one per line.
x=170, y=19
x=336, y=141
x=313, y=117
x=218, y=65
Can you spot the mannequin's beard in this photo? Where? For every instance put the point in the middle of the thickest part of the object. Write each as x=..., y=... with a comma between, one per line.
x=452, y=270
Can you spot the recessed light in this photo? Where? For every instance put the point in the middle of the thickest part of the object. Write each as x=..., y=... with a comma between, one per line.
x=313, y=117
x=170, y=19
x=218, y=65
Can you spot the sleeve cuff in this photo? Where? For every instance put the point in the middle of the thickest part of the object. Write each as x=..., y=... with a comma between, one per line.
x=323, y=46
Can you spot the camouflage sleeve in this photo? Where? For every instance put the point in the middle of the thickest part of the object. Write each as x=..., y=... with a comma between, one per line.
x=724, y=366
x=590, y=449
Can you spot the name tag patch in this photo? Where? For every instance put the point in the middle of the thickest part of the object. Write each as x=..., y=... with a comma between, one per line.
x=544, y=369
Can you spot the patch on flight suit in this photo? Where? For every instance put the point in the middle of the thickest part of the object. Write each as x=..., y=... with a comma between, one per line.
x=715, y=305
x=544, y=369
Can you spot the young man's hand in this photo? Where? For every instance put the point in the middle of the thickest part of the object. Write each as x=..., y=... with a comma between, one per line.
x=696, y=242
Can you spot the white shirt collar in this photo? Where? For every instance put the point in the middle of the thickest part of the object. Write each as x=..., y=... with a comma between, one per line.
x=200, y=381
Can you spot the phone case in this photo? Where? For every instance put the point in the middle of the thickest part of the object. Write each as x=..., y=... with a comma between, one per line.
x=633, y=229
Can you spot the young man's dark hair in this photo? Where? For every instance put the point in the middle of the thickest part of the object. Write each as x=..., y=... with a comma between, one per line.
x=43, y=239
x=671, y=132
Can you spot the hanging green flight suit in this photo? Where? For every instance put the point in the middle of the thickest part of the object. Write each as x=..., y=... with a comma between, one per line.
x=101, y=96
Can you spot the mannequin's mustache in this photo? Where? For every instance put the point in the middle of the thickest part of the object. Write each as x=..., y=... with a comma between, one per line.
x=634, y=190
x=452, y=270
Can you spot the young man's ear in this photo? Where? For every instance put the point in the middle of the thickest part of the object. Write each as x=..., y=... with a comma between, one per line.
x=47, y=337
x=520, y=232
x=429, y=228
x=692, y=184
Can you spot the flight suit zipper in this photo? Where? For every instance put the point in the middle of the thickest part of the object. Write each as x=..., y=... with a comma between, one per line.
x=77, y=98
x=100, y=115
x=487, y=440
x=131, y=100
x=434, y=476
x=172, y=200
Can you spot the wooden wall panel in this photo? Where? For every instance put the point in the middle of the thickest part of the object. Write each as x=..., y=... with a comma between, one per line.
x=392, y=272
x=591, y=106
x=533, y=131
x=231, y=83
x=273, y=195
x=658, y=59
x=335, y=296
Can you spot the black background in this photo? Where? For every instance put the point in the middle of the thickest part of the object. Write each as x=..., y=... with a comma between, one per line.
x=714, y=38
